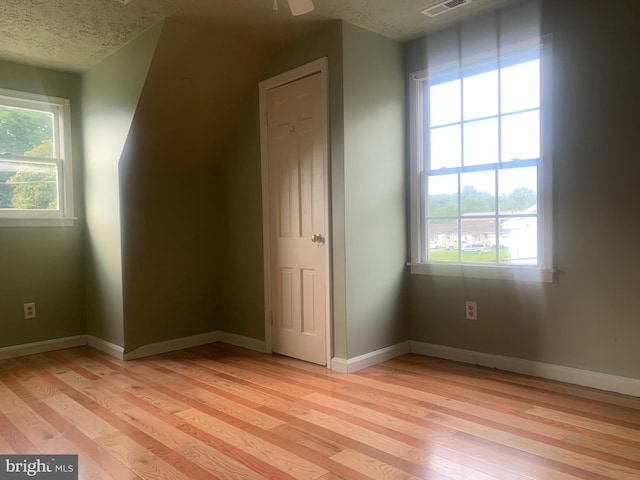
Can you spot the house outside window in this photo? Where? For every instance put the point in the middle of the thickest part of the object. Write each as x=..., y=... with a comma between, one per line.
x=481, y=162
x=35, y=160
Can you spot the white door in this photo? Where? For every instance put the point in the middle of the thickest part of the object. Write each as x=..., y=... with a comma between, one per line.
x=297, y=216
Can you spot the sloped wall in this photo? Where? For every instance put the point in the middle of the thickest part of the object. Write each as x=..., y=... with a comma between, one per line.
x=111, y=91
x=191, y=120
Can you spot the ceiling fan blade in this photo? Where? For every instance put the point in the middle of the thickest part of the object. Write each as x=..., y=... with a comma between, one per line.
x=300, y=7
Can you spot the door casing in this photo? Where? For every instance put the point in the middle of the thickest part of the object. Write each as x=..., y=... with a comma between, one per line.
x=317, y=66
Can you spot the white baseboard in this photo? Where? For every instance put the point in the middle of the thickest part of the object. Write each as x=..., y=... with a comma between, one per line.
x=244, y=342
x=602, y=381
x=107, y=347
x=368, y=359
x=196, y=341
x=41, y=347
x=144, y=351
x=173, y=344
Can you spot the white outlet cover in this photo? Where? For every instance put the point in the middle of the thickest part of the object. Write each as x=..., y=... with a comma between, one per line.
x=472, y=310
x=29, y=310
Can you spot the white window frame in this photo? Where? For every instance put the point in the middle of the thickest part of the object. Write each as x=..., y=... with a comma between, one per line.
x=544, y=271
x=62, y=159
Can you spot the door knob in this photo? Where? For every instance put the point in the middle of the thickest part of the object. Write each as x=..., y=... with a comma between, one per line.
x=317, y=238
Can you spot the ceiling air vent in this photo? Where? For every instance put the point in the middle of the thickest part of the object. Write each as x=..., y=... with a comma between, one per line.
x=444, y=7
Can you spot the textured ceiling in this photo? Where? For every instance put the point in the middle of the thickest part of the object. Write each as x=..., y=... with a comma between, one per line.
x=74, y=35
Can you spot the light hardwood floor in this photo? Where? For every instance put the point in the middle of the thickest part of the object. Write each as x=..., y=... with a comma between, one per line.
x=220, y=412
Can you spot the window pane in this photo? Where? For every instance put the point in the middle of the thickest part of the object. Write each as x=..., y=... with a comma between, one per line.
x=444, y=102
x=518, y=190
x=27, y=133
x=481, y=142
x=443, y=240
x=520, y=87
x=477, y=193
x=30, y=186
x=443, y=196
x=520, y=237
x=478, y=240
x=445, y=147
x=521, y=136
x=480, y=95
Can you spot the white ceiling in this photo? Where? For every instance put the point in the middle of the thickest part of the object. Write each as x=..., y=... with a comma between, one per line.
x=74, y=35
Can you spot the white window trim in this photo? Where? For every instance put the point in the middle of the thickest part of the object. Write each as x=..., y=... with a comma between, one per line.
x=545, y=272
x=64, y=216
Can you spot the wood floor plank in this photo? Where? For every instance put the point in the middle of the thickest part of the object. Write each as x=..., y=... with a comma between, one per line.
x=148, y=394
x=370, y=466
x=515, y=461
x=83, y=445
x=574, y=402
x=624, y=435
x=4, y=445
x=455, y=470
x=145, y=463
x=609, y=444
x=206, y=450
x=525, y=380
x=11, y=435
x=453, y=418
x=267, y=452
x=224, y=467
x=244, y=413
x=559, y=434
x=238, y=391
x=316, y=443
x=347, y=440
x=222, y=412
x=430, y=433
x=84, y=420
x=241, y=455
x=252, y=377
x=35, y=428
x=87, y=468
x=462, y=464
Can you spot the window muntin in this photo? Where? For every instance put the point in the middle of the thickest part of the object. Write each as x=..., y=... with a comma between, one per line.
x=482, y=174
x=35, y=160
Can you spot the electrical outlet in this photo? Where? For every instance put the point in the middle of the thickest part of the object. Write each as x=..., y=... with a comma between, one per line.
x=29, y=310
x=472, y=310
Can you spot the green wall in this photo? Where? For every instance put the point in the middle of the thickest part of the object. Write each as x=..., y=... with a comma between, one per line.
x=589, y=318
x=374, y=191
x=45, y=264
x=110, y=92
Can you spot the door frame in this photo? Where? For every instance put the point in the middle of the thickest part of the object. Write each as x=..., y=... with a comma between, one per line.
x=320, y=66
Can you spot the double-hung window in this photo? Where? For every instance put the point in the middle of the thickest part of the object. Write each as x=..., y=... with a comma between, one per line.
x=35, y=160
x=481, y=171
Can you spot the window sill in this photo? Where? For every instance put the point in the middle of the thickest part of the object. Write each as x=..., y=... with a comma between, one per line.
x=516, y=274
x=37, y=222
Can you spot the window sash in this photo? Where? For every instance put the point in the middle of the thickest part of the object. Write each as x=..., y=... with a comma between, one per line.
x=60, y=108
x=35, y=212
x=460, y=217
